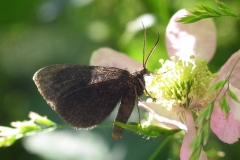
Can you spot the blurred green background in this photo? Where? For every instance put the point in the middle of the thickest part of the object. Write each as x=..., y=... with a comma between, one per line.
x=37, y=33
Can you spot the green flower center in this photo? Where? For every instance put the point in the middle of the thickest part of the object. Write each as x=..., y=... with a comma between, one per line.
x=181, y=84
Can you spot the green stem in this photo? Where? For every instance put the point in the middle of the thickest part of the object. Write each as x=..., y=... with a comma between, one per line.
x=158, y=150
x=232, y=70
x=228, y=79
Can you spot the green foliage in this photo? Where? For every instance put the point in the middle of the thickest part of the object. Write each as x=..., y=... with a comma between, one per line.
x=218, y=85
x=203, y=12
x=37, y=123
x=224, y=105
x=148, y=131
x=233, y=96
x=196, y=153
x=206, y=132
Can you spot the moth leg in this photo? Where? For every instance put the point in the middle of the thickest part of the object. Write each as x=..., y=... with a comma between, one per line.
x=124, y=112
x=138, y=99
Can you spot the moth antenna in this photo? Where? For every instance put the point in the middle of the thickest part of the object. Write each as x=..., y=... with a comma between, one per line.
x=155, y=45
x=144, y=45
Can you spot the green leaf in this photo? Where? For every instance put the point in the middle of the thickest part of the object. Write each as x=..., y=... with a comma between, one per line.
x=8, y=141
x=42, y=120
x=196, y=153
x=202, y=117
x=229, y=13
x=203, y=12
x=205, y=115
x=28, y=127
x=210, y=106
x=199, y=6
x=218, y=85
x=189, y=19
x=197, y=141
x=206, y=132
x=149, y=131
x=196, y=147
x=202, y=16
x=233, y=96
x=224, y=105
x=195, y=12
x=209, y=10
x=223, y=6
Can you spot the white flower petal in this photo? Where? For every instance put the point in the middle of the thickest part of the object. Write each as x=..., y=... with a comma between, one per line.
x=162, y=116
x=197, y=38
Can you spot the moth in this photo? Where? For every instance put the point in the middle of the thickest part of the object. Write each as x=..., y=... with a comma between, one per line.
x=83, y=96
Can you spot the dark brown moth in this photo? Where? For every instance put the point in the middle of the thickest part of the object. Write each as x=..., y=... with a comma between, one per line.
x=84, y=96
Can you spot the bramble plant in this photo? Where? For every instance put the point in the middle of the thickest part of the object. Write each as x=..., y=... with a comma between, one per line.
x=185, y=95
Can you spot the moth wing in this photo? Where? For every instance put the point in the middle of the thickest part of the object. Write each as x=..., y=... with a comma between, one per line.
x=82, y=95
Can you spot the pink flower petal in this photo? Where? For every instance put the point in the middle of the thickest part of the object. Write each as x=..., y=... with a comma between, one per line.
x=112, y=58
x=226, y=128
x=234, y=106
x=197, y=38
x=185, y=152
x=226, y=69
